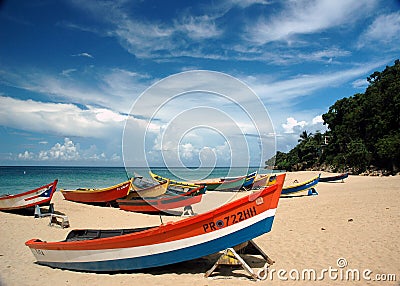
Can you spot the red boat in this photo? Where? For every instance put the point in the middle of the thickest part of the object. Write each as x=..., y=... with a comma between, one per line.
x=105, y=195
x=116, y=250
x=171, y=200
x=37, y=197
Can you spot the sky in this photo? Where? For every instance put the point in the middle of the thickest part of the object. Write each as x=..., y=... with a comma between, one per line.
x=74, y=73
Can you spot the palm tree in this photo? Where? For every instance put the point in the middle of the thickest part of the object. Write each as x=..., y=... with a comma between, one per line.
x=304, y=136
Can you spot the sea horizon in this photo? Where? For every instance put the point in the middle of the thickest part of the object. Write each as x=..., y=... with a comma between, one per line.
x=17, y=179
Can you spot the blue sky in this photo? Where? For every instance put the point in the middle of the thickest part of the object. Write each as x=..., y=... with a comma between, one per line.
x=71, y=70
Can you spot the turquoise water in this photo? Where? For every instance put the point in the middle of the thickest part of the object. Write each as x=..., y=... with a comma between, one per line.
x=17, y=179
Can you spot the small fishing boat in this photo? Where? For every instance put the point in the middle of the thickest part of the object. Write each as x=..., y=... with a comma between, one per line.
x=222, y=184
x=213, y=184
x=334, y=178
x=173, y=183
x=263, y=180
x=249, y=180
x=142, y=187
x=171, y=200
x=37, y=197
x=300, y=187
x=104, y=195
x=130, y=249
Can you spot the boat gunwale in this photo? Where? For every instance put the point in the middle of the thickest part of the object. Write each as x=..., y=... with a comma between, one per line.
x=91, y=191
x=302, y=183
x=11, y=196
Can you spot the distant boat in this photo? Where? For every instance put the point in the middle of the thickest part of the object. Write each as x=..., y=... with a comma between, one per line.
x=145, y=188
x=249, y=180
x=104, y=195
x=130, y=249
x=300, y=187
x=263, y=180
x=171, y=200
x=217, y=184
x=37, y=197
x=334, y=178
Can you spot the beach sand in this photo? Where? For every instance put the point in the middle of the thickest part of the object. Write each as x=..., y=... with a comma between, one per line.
x=357, y=220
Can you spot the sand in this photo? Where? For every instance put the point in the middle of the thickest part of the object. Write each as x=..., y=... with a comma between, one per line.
x=357, y=220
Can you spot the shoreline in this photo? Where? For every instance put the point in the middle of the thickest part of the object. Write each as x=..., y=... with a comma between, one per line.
x=356, y=220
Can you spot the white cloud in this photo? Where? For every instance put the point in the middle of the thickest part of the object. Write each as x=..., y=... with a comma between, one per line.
x=113, y=88
x=317, y=119
x=274, y=91
x=150, y=39
x=291, y=123
x=385, y=29
x=186, y=150
x=307, y=17
x=106, y=115
x=360, y=83
x=64, y=152
x=248, y=3
x=122, y=87
x=87, y=55
x=198, y=28
x=115, y=158
x=68, y=151
x=59, y=118
x=67, y=72
x=26, y=155
x=291, y=127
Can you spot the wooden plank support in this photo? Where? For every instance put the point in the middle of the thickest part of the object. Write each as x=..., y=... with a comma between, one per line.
x=231, y=257
x=187, y=211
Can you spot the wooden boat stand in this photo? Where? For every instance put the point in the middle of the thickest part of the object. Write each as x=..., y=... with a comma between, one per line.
x=230, y=257
x=187, y=211
x=55, y=219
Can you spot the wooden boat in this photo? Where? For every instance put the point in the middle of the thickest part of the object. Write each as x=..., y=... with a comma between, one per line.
x=249, y=180
x=305, y=186
x=105, y=195
x=263, y=180
x=173, y=183
x=334, y=178
x=142, y=187
x=171, y=200
x=37, y=197
x=220, y=184
x=194, y=237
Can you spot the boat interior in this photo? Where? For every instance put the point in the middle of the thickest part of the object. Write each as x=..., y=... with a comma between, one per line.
x=90, y=234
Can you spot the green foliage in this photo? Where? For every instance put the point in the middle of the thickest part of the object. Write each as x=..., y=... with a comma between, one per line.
x=364, y=129
x=388, y=148
x=358, y=156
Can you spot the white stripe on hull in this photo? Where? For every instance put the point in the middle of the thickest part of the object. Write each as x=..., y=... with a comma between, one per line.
x=68, y=256
x=21, y=201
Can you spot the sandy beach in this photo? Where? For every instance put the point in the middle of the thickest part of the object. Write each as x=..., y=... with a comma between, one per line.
x=355, y=223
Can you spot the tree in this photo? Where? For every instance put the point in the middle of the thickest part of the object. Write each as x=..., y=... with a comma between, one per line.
x=304, y=136
x=364, y=129
x=388, y=148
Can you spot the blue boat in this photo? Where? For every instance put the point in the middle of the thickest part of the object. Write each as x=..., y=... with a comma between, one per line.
x=248, y=182
x=300, y=187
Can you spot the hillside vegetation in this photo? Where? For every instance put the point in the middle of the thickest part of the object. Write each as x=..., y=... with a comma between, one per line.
x=363, y=132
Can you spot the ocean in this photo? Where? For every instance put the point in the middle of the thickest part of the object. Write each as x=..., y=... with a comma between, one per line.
x=18, y=179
